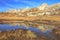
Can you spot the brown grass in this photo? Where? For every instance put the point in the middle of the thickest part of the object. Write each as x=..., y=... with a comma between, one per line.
x=30, y=18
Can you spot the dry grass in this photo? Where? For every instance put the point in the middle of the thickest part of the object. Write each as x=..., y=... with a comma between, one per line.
x=30, y=18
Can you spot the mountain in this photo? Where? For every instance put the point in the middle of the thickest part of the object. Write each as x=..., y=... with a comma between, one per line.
x=44, y=9
x=26, y=9
x=53, y=9
x=43, y=6
x=12, y=11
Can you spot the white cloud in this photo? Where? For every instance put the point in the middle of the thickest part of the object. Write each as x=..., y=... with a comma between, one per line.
x=30, y=3
x=27, y=2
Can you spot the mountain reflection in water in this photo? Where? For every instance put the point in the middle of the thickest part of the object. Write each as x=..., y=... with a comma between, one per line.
x=4, y=27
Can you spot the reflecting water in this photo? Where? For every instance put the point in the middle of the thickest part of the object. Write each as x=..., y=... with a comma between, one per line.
x=4, y=27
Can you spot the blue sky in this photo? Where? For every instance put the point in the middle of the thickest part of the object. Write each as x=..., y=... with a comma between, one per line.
x=8, y=4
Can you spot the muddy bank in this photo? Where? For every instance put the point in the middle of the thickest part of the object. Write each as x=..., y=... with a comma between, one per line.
x=36, y=22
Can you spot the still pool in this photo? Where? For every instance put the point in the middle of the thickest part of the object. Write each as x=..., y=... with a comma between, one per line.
x=4, y=27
